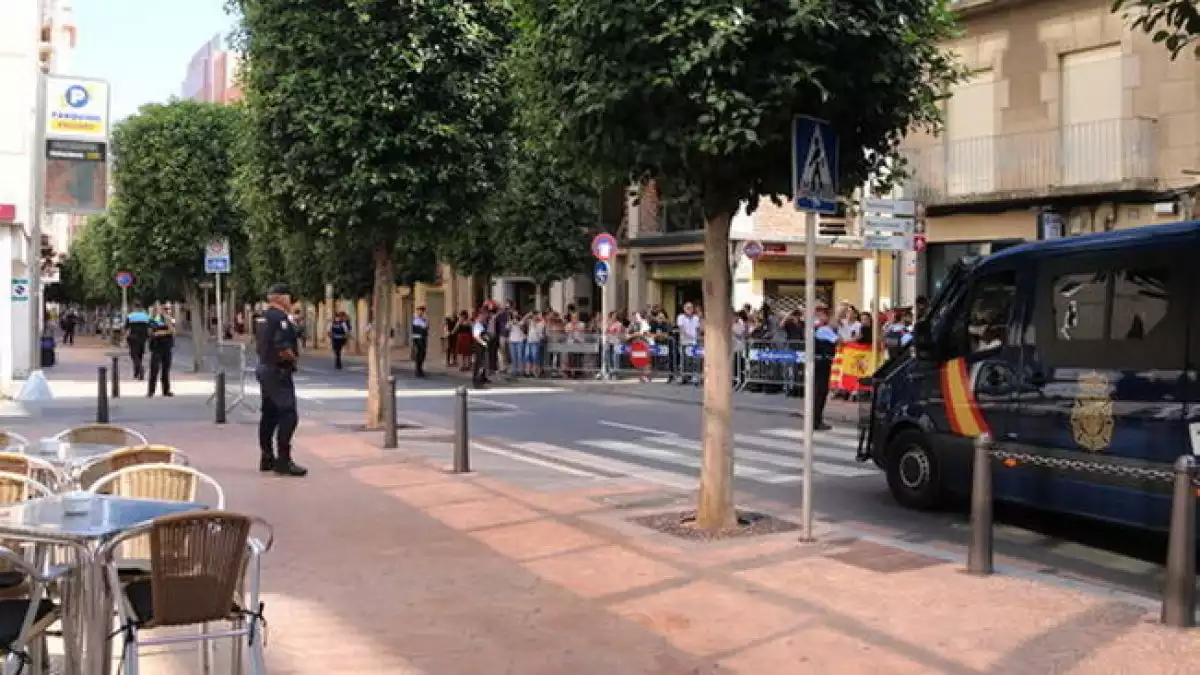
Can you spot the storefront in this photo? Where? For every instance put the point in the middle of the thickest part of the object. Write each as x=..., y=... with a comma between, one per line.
x=676, y=282
x=780, y=282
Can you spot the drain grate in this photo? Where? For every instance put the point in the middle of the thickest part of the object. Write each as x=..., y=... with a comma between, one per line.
x=874, y=557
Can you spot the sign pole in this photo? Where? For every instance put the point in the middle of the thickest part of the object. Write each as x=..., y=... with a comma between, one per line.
x=220, y=327
x=124, y=302
x=36, y=215
x=875, y=311
x=810, y=375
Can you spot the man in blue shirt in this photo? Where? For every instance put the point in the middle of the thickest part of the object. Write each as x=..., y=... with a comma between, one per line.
x=137, y=332
x=420, y=340
x=825, y=346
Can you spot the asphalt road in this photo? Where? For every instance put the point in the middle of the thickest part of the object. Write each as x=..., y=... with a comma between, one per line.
x=600, y=435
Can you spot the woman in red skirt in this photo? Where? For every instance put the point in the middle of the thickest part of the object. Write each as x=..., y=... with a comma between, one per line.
x=463, y=343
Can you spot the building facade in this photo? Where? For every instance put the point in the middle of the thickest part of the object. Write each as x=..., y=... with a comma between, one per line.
x=212, y=74
x=1069, y=123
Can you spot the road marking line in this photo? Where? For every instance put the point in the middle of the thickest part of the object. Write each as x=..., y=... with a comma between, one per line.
x=790, y=462
x=534, y=460
x=633, y=427
x=667, y=457
x=798, y=434
x=823, y=447
x=609, y=464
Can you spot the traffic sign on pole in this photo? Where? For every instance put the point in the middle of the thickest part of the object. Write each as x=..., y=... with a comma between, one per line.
x=216, y=256
x=604, y=247
x=639, y=353
x=601, y=273
x=125, y=279
x=752, y=250
x=814, y=165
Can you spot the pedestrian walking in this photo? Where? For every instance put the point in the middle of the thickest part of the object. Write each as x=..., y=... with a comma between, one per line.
x=339, y=330
x=137, y=333
x=162, y=344
x=69, y=322
x=278, y=343
x=420, y=340
x=826, y=342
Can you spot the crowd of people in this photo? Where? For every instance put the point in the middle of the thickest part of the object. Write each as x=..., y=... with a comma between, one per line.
x=508, y=340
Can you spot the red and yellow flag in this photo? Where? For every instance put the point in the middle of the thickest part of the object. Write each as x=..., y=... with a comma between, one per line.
x=966, y=419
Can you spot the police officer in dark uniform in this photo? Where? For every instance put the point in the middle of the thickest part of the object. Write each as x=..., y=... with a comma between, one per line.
x=420, y=340
x=825, y=340
x=137, y=334
x=162, y=344
x=277, y=342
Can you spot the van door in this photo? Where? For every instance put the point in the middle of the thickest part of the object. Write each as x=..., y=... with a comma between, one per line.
x=1101, y=378
x=970, y=386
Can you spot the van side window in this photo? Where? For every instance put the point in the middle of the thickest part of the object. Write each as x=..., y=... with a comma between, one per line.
x=1140, y=303
x=1114, y=311
x=981, y=323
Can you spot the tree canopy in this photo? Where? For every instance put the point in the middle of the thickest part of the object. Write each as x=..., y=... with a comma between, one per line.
x=1173, y=23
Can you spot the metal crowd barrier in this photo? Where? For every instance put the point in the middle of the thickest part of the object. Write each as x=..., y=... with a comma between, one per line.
x=772, y=366
x=1183, y=479
x=230, y=358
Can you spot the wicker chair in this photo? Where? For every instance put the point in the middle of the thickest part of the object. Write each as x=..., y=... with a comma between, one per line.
x=11, y=438
x=15, y=487
x=126, y=457
x=36, y=468
x=101, y=434
x=27, y=614
x=205, y=568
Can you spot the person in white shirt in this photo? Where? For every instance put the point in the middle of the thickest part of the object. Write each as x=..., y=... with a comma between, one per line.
x=534, y=337
x=480, y=340
x=688, y=324
x=516, y=344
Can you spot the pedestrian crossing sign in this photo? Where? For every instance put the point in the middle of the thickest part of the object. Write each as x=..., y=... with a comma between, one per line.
x=814, y=165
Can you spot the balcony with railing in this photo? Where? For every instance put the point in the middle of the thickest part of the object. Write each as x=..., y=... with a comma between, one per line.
x=1102, y=156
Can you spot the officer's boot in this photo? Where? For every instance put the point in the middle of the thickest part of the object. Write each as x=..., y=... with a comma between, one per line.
x=284, y=466
x=266, y=460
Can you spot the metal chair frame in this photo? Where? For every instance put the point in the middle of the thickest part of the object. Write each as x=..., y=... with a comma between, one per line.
x=115, y=461
x=248, y=593
x=137, y=437
x=10, y=436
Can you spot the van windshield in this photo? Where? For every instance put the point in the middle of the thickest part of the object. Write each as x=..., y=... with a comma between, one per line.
x=949, y=288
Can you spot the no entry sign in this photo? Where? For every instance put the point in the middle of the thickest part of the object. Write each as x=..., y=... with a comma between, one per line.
x=639, y=353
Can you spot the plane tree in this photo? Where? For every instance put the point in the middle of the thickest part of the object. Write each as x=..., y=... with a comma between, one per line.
x=699, y=96
x=1173, y=23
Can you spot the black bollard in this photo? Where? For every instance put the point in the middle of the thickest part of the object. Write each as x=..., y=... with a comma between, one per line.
x=1179, y=595
x=116, y=377
x=102, y=395
x=462, y=459
x=219, y=401
x=389, y=414
x=979, y=555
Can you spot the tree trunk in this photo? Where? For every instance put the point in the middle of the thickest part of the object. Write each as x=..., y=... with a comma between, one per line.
x=379, y=346
x=715, y=509
x=198, y=328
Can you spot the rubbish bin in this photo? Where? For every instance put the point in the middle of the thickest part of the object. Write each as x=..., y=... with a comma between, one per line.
x=48, y=356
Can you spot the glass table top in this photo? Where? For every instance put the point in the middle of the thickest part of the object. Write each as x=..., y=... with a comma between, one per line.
x=105, y=516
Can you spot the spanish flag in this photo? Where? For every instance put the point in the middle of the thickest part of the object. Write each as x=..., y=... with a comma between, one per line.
x=959, y=398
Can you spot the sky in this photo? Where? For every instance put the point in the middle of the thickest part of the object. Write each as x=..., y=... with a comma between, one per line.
x=142, y=47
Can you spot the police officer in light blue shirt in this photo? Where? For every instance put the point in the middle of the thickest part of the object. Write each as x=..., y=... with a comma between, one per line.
x=137, y=333
x=826, y=342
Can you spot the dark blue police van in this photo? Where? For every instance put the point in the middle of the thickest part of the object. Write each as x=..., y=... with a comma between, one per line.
x=1084, y=348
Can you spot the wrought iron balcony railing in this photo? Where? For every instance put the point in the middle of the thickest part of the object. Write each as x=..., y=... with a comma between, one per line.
x=1107, y=154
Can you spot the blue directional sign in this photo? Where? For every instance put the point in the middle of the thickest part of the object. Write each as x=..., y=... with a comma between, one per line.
x=814, y=165
x=601, y=274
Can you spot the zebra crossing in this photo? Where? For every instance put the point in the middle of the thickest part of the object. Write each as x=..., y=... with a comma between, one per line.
x=769, y=456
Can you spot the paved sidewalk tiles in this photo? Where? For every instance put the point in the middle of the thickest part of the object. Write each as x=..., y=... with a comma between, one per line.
x=387, y=564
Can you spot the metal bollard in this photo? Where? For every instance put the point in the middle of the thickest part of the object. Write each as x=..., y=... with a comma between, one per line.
x=1179, y=595
x=116, y=377
x=102, y=395
x=979, y=553
x=462, y=459
x=389, y=415
x=219, y=401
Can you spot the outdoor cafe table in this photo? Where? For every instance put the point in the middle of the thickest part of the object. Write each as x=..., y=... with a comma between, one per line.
x=70, y=458
x=45, y=521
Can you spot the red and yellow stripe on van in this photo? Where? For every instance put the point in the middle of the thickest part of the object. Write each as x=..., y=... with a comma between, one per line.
x=961, y=407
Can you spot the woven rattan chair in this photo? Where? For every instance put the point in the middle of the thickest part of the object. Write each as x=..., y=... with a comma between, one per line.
x=16, y=487
x=126, y=457
x=205, y=568
x=35, y=467
x=25, y=616
x=101, y=434
x=11, y=438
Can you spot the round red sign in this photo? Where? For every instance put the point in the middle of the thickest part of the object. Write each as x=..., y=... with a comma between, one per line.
x=919, y=242
x=639, y=354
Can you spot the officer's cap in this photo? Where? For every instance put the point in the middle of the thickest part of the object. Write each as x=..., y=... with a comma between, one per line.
x=279, y=289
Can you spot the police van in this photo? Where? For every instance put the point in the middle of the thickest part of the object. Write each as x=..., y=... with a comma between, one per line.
x=1083, y=348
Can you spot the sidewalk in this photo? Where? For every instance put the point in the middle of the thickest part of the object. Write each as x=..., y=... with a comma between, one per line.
x=384, y=563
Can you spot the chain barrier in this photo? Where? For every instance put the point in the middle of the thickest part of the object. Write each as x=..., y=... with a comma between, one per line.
x=1086, y=466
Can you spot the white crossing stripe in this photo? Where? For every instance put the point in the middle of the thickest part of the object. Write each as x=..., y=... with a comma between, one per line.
x=793, y=462
x=837, y=434
x=822, y=447
x=557, y=452
x=668, y=457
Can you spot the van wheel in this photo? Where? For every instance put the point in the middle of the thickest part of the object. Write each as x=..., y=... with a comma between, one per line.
x=913, y=474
